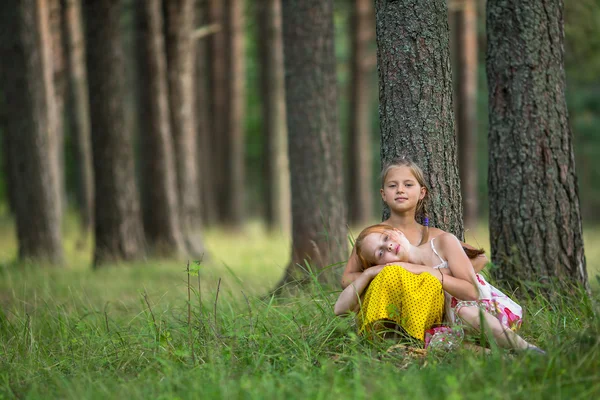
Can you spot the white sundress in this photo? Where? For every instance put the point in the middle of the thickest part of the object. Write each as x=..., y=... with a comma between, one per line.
x=490, y=300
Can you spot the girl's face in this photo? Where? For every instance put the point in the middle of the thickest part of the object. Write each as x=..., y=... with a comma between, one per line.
x=401, y=190
x=387, y=247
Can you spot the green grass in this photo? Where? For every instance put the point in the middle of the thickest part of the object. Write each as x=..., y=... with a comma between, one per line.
x=122, y=332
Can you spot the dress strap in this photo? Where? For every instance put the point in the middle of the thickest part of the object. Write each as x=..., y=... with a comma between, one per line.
x=444, y=263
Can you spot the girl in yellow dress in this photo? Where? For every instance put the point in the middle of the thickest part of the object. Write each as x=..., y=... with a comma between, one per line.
x=395, y=298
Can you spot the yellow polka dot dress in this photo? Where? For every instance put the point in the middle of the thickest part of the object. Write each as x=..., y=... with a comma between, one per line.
x=414, y=302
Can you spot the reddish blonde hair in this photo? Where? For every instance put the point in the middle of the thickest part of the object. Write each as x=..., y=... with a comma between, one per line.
x=382, y=228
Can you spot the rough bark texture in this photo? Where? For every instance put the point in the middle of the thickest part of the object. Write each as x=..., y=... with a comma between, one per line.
x=360, y=170
x=27, y=82
x=318, y=212
x=234, y=178
x=217, y=91
x=160, y=208
x=119, y=232
x=272, y=86
x=78, y=108
x=465, y=36
x=180, y=21
x=415, y=99
x=535, y=222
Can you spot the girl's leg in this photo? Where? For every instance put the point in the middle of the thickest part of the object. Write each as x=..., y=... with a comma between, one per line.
x=505, y=337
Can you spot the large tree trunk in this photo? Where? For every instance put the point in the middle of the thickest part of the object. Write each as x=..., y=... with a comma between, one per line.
x=535, y=222
x=180, y=21
x=160, y=208
x=60, y=86
x=465, y=37
x=217, y=91
x=272, y=86
x=119, y=233
x=415, y=99
x=360, y=170
x=318, y=212
x=30, y=125
x=79, y=109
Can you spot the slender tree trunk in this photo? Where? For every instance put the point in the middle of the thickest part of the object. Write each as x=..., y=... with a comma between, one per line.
x=160, y=207
x=218, y=91
x=465, y=32
x=272, y=86
x=59, y=76
x=360, y=170
x=535, y=221
x=79, y=109
x=30, y=125
x=119, y=232
x=180, y=21
x=318, y=212
x=234, y=210
x=415, y=97
x=206, y=137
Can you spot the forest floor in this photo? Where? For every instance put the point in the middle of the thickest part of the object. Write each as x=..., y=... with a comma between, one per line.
x=123, y=332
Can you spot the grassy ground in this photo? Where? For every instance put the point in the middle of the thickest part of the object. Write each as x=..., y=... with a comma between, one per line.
x=123, y=332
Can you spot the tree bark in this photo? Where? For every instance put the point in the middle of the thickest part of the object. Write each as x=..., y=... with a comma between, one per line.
x=535, y=221
x=160, y=207
x=415, y=99
x=217, y=91
x=272, y=86
x=180, y=21
x=206, y=137
x=118, y=228
x=234, y=210
x=58, y=70
x=79, y=109
x=360, y=170
x=465, y=33
x=318, y=212
x=30, y=125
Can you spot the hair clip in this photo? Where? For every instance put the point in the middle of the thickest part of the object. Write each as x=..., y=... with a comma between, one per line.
x=426, y=221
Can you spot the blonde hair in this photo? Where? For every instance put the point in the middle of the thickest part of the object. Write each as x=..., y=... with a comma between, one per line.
x=417, y=172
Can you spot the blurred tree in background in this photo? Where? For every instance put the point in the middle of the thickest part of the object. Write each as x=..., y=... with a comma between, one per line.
x=223, y=97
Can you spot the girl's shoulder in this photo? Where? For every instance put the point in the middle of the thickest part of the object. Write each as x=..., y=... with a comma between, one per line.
x=435, y=232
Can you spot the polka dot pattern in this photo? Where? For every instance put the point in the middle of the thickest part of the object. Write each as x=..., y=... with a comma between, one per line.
x=414, y=302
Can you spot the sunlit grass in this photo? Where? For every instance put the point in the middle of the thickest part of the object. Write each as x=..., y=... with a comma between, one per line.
x=121, y=332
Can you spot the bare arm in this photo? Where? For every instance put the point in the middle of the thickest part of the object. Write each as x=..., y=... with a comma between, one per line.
x=478, y=262
x=349, y=298
x=352, y=271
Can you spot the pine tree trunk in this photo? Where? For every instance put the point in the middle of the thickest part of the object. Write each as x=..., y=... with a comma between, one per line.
x=236, y=101
x=535, y=221
x=59, y=76
x=415, y=99
x=272, y=86
x=180, y=21
x=360, y=170
x=318, y=212
x=217, y=91
x=79, y=109
x=160, y=207
x=118, y=228
x=206, y=168
x=466, y=105
x=30, y=126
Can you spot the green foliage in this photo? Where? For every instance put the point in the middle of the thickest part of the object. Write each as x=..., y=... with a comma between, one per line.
x=122, y=332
